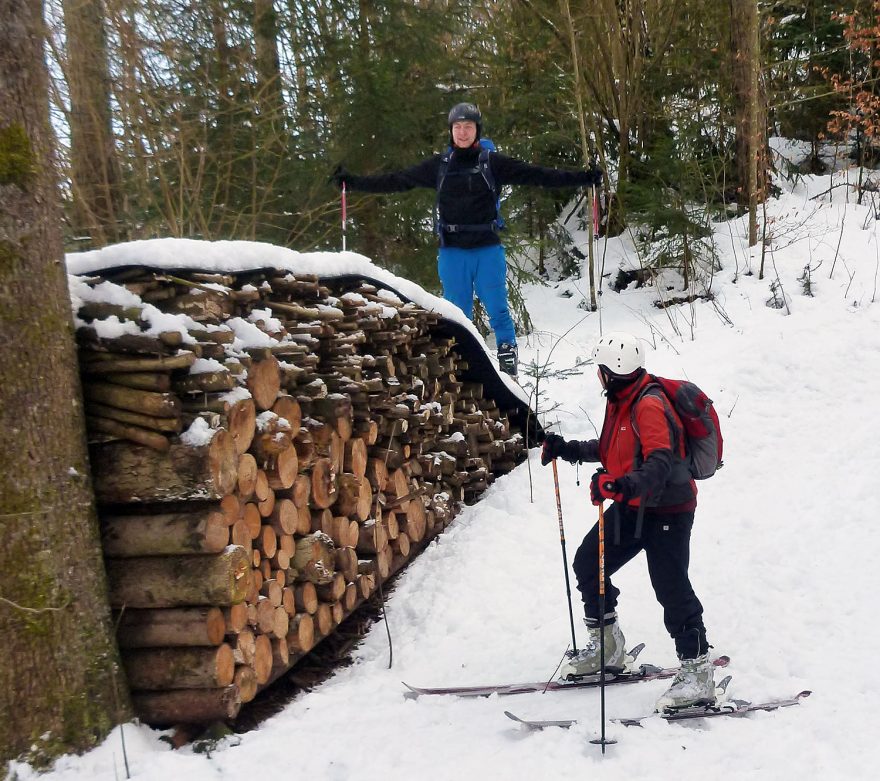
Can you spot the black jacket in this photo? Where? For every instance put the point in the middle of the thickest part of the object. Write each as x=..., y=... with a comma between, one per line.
x=466, y=198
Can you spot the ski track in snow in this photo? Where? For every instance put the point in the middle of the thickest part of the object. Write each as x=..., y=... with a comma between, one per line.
x=783, y=559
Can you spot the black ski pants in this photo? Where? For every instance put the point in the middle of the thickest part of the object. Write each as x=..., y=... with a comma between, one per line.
x=666, y=539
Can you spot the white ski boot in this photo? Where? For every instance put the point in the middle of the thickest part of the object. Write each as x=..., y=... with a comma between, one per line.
x=587, y=661
x=693, y=685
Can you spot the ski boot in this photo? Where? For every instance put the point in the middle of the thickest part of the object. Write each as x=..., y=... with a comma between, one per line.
x=508, y=357
x=587, y=661
x=693, y=685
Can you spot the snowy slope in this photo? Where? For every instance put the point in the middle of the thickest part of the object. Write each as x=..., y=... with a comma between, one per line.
x=783, y=558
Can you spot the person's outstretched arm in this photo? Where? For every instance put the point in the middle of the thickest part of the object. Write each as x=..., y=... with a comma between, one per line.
x=422, y=174
x=509, y=170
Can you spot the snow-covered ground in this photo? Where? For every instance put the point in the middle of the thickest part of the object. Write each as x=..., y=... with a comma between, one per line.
x=783, y=557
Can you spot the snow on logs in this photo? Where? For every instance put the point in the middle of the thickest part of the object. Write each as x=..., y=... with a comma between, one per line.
x=262, y=463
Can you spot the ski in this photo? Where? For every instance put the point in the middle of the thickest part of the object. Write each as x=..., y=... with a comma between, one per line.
x=731, y=707
x=645, y=672
x=728, y=708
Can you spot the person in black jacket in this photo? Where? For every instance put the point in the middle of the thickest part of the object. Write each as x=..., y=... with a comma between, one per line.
x=467, y=179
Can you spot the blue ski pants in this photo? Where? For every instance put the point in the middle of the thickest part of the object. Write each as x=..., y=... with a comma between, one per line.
x=482, y=270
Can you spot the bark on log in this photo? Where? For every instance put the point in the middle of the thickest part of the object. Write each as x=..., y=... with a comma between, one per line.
x=314, y=559
x=140, y=436
x=151, y=381
x=178, y=581
x=201, y=531
x=191, y=626
x=157, y=669
x=125, y=472
x=187, y=706
x=150, y=422
x=112, y=363
x=160, y=405
x=204, y=382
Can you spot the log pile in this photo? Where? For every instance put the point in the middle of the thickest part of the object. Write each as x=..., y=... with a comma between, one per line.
x=265, y=450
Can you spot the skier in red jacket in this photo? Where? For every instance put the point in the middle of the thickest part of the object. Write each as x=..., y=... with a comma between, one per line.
x=645, y=474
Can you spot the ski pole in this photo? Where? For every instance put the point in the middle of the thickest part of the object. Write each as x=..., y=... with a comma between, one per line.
x=602, y=740
x=564, y=558
x=343, y=216
x=595, y=201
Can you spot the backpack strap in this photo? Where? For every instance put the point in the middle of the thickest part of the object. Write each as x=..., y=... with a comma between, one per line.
x=441, y=178
x=654, y=388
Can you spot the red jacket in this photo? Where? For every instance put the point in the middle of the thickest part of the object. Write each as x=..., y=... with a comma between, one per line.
x=650, y=463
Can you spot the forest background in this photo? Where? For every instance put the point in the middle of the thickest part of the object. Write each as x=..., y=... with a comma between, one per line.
x=224, y=119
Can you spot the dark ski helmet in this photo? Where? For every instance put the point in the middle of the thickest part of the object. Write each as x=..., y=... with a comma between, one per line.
x=466, y=112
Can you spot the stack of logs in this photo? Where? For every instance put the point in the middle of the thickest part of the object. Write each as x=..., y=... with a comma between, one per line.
x=263, y=464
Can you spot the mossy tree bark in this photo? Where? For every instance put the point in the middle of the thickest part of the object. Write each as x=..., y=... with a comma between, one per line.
x=59, y=684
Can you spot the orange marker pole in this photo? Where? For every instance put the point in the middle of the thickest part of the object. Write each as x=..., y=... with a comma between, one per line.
x=564, y=558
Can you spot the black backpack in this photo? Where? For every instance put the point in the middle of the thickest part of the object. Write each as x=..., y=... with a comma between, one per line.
x=484, y=168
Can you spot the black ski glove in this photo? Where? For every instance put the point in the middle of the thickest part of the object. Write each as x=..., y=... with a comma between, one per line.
x=339, y=176
x=556, y=447
x=596, y=174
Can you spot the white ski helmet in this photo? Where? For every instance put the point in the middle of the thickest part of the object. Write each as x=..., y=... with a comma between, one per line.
x=619, y=352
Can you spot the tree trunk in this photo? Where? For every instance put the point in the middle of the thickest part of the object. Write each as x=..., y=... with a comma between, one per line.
x=751, y=125
x=60, y=672
x=94, y=164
